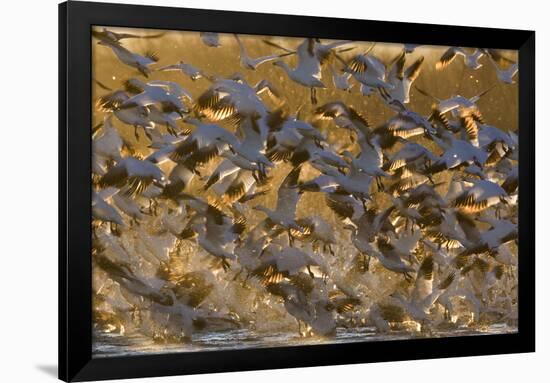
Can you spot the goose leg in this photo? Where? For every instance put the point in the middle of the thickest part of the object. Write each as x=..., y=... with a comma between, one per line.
x=290, y=238
x=147, y=134
x=225, y=265
x=313, y=96
x=364, y=202
x=379, y=184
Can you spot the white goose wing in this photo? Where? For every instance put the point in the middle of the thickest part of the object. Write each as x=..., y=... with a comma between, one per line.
x=424, y=280
x=289, y=194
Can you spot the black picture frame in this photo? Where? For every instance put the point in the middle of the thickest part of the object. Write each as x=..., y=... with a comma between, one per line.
x=75, y=268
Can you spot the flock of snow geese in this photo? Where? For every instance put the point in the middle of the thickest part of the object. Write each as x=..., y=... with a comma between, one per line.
x=196, y=226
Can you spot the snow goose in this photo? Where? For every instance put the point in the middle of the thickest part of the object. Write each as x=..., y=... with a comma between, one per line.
x=480, y=196
x=109, y=145
x=133, y=115
x=280, y=262
x=210, y=39
x=104, y=212
x=409, y=155
x=355, y=182
x=402, y=78
x=217, y=232
x=288, y=196
x=511, y=183
x=202, y=145
x=236, y=186
x=369, y=159
x=404, y=125
x=308, y=69
x=470, y=60
x=504, y=75
x=132, y=175
x=134, y=60
x=167, y=93
x=107, y=36
x=424, y=294
x=386, y=254
x=231, y=99
x=456, y=153
x=253, y=63
x=501, y=232
x=340, y=80
x=316, y=230
x=344, y=116
x=458, y=103
x=369, y=71
x=187, y=69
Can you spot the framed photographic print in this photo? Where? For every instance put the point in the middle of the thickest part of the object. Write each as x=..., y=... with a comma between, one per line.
x=249, y=191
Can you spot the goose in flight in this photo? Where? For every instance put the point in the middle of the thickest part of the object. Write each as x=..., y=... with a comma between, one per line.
x=506, y=75
x=386, y=254
x=402, y=126
x=304, y=74
x=232, y=99
x=501, y=232
x=312, y=308
x=340, y=80
x=316, y=230
x=140, y=62
x=356, y=182
x=344, y=116
x=280, y=262
x=402, y=77
x=424, y=294
x=109, y=144
x=310, y=150
x=295, y=302
x=511, y=183
x=107, y=36
x=253, y=63
x=236, y=187
x=480, y=196
x=457, y=152
x=167, y=93
x=288, y=195
x=457, y=104
x=165, y=116
x=506, y=69
x=133, y=115
x=132, y=176
x=187, y=69
x=368, y=70
x=104, y=212
x=202, y=145
x=308, y=70
x=369, y=160
x=470, y=60
x=210, y=39
x=179, y=178
x=251, y=146
x=411, y=155
x=217, y=233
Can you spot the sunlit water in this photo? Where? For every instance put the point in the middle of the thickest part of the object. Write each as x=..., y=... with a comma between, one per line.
x=110, y=344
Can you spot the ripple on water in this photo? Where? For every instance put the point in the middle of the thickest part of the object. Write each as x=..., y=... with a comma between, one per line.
x=106, y=345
